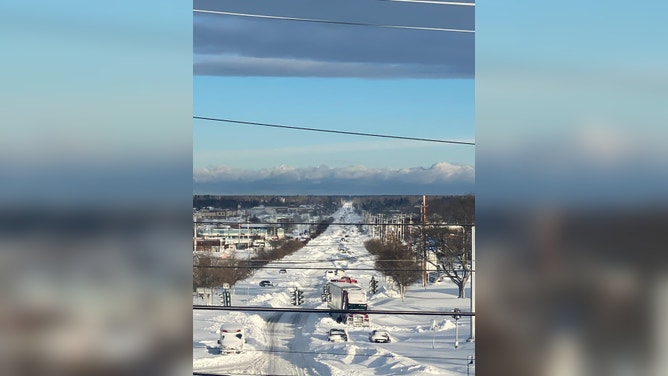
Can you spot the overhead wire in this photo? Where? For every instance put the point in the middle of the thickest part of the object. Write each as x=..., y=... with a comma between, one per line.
x=283, y=263
x=200, y=373
x=388, y=355
x=332, y=131
x=327, y=311
x=434, y=224
x=315, y=20
x=458, y=3
x=241, y=266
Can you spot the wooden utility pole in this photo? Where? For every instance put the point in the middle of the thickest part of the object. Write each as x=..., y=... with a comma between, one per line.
x=195, y=234
x=424, y=241
x=472, y=336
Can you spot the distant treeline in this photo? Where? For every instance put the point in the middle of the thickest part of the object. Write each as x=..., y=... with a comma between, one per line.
x=452, y=209
x=246, y=202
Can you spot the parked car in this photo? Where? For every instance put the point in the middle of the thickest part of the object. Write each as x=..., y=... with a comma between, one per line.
x=282, y=271
x=380, y=336
x=266, y=283
x=231, y=339
x=337, y=335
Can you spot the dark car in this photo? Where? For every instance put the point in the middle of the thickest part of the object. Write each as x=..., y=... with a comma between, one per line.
x=282, y=271
x=337, y=335
x=266, y=284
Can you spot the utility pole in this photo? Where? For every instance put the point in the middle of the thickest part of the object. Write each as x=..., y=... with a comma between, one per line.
x=457, y=316
x=424, y=241
x=195, y=234
x=472, y=336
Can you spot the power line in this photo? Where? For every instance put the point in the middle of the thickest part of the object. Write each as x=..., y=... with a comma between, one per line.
x=230, y=374
x=242, y=266
x=315, y=20
x=389, y=355
x=283, y=263
x=332, y=131
x=434, y=2
x=327, y=311
x=274, y=351
x=343, y=224
x=195, y=373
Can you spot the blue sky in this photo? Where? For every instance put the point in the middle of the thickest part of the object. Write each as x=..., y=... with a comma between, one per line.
x=441, y=109
x=351, y=78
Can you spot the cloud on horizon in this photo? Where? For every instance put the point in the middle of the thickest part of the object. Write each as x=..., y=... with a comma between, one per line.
x=441, y=178
x=229, y=65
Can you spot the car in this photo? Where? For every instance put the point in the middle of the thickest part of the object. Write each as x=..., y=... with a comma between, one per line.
x=282, y=271
x=266, y=283
x=337, y=335
x=231, y=339
x=380, y=336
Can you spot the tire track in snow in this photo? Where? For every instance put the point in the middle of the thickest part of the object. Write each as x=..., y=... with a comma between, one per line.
x=283, y=330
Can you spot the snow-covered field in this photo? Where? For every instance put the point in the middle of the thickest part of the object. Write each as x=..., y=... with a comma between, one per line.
x=289, y=343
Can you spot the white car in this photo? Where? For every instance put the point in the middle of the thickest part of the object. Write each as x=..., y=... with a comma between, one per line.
x=337, y=335
x=380, y=336
x=231, y=339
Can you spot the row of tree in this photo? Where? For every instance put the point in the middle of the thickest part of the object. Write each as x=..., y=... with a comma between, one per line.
x=402, y=260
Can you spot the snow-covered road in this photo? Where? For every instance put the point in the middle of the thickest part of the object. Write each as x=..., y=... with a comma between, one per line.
x=296, y=343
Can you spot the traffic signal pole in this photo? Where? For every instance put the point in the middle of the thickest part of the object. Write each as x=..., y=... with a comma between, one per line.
x=472, y=335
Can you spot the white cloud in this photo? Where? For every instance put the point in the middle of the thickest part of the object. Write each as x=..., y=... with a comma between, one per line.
x=440, y=178
x=231, y=65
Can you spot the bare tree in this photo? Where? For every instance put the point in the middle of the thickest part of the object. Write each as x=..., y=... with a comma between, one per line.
x=395, y=260
x=452, y=245
x=209, y=271
x=275, y=243
x=203, y=274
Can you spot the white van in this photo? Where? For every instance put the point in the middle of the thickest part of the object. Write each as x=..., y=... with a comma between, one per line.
x=231, y=339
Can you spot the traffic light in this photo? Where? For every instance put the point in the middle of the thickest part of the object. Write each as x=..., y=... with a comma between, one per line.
x=373, y=284
x=293, y=297
x=300, y=297
x=225, y=298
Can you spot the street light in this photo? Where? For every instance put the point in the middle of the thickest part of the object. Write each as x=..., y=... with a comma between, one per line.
x=457, y=316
